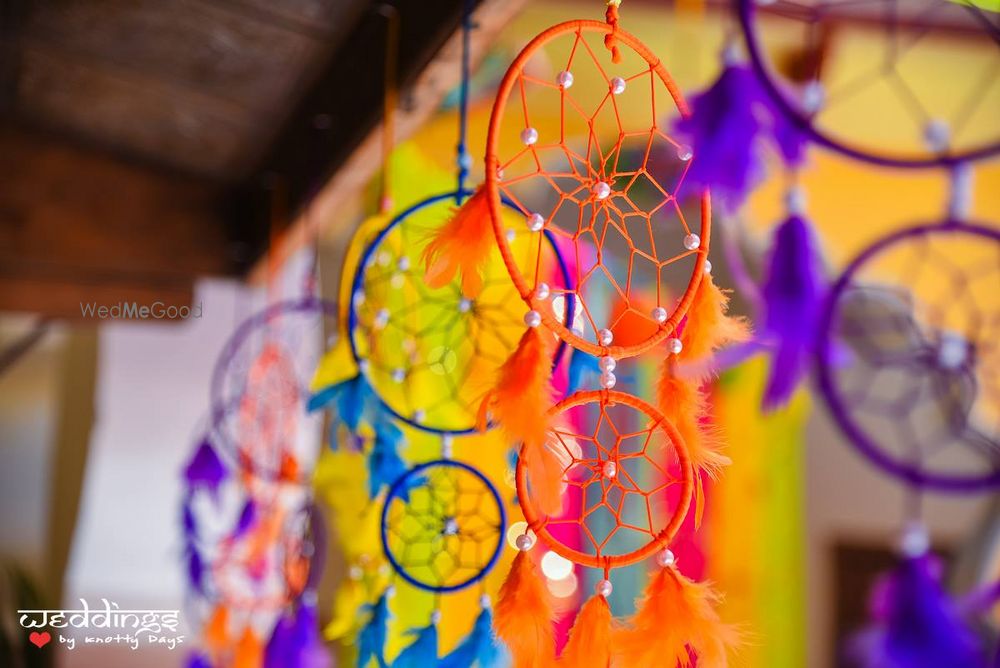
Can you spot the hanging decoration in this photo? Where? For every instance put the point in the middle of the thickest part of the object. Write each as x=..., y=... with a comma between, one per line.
x=907, y=361
x=253, y=540
x=603, y=479
x=827, y=95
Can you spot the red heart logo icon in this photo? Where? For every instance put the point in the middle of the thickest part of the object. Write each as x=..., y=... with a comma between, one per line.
x=40, y=639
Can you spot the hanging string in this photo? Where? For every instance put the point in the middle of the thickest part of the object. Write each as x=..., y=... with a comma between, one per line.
x=390, y=103
x=276, y=223
x=611, y=39
x=464, y=160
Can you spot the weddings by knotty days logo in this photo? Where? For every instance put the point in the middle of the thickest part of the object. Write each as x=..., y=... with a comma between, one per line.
x=102, y=626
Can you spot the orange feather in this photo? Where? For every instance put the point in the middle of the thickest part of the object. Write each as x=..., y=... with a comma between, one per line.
x=683, y=403
x=675, y=625
x=707, y=326
x=523, y=619
x=217, y=638
x=589, y=644
x=461, y=245
x=249, y=651
x=519, y=404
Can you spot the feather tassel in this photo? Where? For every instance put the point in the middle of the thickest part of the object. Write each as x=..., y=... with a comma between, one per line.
x=205, y=470
x=524, y=616
x=195, y=568
x=793, y=295
x=280, y=649
x=385, y=466
x=422, y=652
x=915, y=623
x=309, y=651
x=519, y=403
x=350, y=402
x=589, y=644
x=371, y=639
x=198, y=660
x=480, y=648
x=216, y=634
x=707, y=327
x=249, y=652
x=676, y=624
x=461, y=246
x=683, y=403
x=583, y=367
x=727, y=124
x=248, y=516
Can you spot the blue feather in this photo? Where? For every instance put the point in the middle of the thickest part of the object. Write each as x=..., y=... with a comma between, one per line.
x=371, y=640
x=349, y=402
x=385, y=466
x=480, y=648
x=422, y=652
x=583, y=368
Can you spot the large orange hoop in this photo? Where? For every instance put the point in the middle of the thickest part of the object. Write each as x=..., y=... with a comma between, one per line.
x=662, y=326
x=659, y=538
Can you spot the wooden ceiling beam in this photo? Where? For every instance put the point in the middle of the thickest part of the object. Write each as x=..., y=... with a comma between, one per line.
x=79, y=225
x=332, y=147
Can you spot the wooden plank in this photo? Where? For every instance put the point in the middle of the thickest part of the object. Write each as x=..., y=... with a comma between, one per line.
x=79, y=225
x=352, y=163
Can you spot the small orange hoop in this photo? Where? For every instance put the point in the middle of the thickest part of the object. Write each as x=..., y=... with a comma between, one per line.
x=551, y=320
x=539, y=523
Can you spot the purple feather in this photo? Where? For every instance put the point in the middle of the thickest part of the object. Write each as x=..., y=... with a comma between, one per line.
x=793, y=296
x=280, y=648
x=189, y=522
x=205, y=470
x=247, y=517
x=195, y=569
x=310, y=649
x=724, y=130
x=915, y=624
x=198, y=660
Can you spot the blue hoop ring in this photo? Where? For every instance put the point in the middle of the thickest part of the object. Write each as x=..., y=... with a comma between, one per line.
x=352, y=318
x=393, y=493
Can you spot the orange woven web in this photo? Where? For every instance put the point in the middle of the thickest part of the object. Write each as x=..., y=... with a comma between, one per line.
x=628, y=481
x=608, y=183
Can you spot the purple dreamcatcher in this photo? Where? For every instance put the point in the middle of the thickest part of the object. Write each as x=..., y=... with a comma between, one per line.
x=253, y=540
x=908, y=363
x=851, y=58
x=908, y=358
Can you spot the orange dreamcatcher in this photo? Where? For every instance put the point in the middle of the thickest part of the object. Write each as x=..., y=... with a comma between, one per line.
x=604, y=479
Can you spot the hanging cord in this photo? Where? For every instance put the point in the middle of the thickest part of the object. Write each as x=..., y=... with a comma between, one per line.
x=278, y=214
x=463, y=158
x=611, y=39
x=390, y=103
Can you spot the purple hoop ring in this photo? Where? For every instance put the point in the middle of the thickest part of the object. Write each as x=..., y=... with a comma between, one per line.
x=824, y=359
x=219, y=408
x=746, y=11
